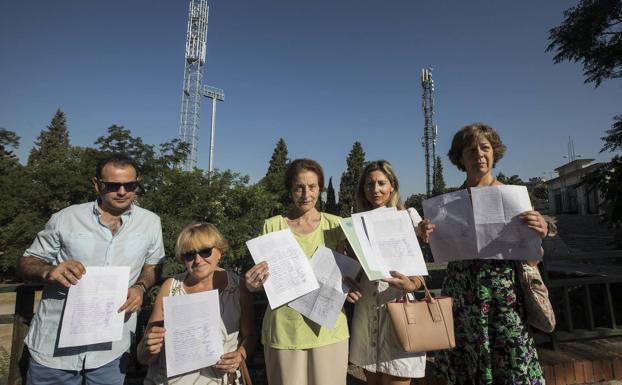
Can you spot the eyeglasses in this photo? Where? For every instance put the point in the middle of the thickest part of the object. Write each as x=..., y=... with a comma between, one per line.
x=189, y=256
x=115, y=186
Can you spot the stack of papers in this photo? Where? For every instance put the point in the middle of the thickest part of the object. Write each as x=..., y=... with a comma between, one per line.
x=384, y=240
x=315, y=289
x=323, y=305
x=482, y=226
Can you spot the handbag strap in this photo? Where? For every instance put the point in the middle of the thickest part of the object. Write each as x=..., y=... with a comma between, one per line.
x=246, y=377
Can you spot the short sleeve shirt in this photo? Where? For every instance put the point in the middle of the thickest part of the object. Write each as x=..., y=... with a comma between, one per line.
x=76, y=233
x=284, y=327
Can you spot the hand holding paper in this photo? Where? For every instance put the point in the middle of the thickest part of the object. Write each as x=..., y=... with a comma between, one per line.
x=291, y=275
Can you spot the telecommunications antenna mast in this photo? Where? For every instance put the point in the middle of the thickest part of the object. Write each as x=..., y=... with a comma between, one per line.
x=428, y=141
x=196, y=45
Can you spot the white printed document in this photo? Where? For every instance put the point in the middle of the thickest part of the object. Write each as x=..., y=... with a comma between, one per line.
x=394, y=242
x=324, y=304
x=388, y=243
x=484, y=226
x=291, y=275
x=90, y=315
x=193, y=338
x=454, y=235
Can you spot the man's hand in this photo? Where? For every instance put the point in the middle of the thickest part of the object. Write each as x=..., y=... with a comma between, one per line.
x=66, y=273
x=134, y=300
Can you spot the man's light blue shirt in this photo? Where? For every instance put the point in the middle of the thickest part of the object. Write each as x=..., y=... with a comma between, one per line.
x=77, y=233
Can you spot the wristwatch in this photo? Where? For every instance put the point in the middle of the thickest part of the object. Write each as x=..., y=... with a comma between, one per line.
x=141, y=285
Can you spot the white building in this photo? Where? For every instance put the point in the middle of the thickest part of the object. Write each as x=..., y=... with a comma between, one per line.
x=567, y=193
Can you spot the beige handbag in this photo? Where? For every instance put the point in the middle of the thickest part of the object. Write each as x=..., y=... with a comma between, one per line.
x=425, y=325
x=538, y=307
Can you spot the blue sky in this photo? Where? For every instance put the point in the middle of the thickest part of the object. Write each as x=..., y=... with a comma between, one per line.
x=321, y=74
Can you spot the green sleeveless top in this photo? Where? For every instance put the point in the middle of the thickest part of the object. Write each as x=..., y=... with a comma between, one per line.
x=284, y=327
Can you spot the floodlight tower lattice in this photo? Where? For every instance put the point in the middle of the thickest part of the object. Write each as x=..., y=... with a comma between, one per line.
x=430, y=130
x=196, y=47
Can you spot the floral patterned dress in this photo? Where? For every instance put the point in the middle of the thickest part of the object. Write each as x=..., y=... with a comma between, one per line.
x=493, y=343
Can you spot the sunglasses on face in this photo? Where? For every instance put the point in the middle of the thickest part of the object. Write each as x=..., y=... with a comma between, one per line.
x=116, y=186
x=189, y=256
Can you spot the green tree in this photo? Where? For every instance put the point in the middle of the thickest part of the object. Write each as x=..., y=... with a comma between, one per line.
x=274, y=179
x=416, y=201
x=331, y=203
x=591, y=34
x=439, y=180
x=608, y=180
x=350, y=179
x=52, y=144
x=540, y=190
x=513, y=180
x=8, y=140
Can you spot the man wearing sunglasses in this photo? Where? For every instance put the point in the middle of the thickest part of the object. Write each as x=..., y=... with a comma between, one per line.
x=112, y=231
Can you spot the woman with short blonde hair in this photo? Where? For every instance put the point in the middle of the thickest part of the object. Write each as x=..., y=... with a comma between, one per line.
x=200, y=247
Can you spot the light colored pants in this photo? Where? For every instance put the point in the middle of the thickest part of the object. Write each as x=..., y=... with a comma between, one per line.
x=326, y=365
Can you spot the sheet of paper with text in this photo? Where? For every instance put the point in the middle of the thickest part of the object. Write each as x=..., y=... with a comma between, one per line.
x=291, y=275
x=193, y=338
x=90, y=315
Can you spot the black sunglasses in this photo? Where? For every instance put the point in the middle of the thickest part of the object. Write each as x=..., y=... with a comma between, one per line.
x=189, y=256
x=115, y=186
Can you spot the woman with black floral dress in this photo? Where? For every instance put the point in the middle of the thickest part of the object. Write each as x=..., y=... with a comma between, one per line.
x=493, y=342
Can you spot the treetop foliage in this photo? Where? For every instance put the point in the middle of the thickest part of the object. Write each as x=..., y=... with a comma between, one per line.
x=59, y=174
x=591, y=33
x=350, y=179
x=52, y=144
x=331, y=206
x=274, y=179
x=439, y=181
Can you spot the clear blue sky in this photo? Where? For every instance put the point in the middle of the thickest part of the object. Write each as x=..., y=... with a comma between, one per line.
x=321, y=74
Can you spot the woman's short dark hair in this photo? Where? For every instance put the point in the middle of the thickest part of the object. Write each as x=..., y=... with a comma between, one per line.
x=119, y=160
x=469, y=135
x=300, y=165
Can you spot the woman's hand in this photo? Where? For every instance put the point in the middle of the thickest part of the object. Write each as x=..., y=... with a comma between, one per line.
x=355, y=290
x=424, y=230
x=404, y=283
x=229, y=362
x=536, y=222
x=154, y=340
x=256, y=276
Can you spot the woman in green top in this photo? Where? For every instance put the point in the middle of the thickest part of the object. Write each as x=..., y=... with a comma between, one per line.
x=297, y=350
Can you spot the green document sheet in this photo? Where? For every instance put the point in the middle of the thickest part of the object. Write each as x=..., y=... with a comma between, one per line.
x=348, y=229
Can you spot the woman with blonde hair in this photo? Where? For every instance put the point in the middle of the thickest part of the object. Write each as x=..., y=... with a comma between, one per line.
x=373, y=344
x=200, y=247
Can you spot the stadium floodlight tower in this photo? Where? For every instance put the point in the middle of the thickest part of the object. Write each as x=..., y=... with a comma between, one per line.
x=196, y=46
x=428, y=141
x=214, y=94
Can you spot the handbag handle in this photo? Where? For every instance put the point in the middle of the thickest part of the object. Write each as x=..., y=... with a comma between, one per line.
x=428, y=296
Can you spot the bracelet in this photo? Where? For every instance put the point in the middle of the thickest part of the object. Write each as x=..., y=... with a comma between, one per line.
x=140, y=285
